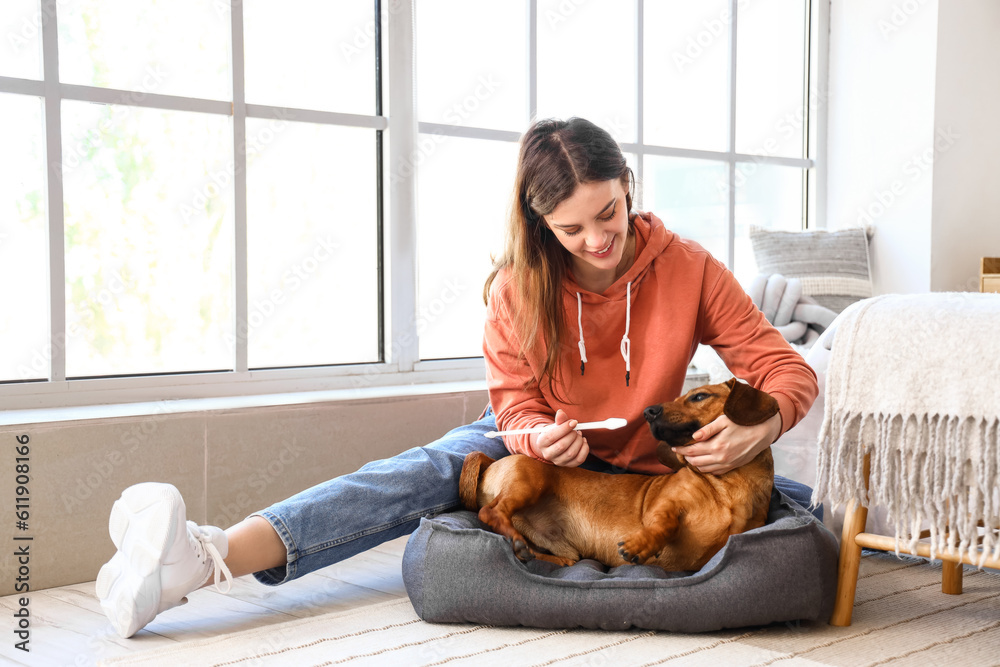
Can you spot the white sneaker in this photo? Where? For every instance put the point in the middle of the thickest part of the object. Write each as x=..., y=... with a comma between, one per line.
x=161, y=557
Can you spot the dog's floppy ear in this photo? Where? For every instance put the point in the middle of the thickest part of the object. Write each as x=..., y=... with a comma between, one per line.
x=747, y=406
x=669, y=458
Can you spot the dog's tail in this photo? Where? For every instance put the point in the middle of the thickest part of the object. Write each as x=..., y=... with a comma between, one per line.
x=475, y=465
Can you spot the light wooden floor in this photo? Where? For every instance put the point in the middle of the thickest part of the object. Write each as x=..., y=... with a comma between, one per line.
x=69, y=628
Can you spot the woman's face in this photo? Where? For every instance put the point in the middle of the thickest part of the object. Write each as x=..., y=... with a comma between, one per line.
x=592, y=225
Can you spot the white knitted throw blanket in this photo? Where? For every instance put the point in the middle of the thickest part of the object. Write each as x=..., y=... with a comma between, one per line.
x=914, y=381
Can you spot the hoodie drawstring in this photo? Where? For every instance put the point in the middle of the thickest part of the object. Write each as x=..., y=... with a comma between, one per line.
x=579, y=324
x=626, y=346
x=626, y=343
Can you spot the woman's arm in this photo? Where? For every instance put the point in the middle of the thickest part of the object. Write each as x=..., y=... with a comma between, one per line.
x=754, y=351
x=518, y=401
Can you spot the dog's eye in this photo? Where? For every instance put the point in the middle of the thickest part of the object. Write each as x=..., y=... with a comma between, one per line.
x=700, y=396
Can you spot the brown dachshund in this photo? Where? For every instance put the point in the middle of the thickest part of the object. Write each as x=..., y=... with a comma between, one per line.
x=676, y=521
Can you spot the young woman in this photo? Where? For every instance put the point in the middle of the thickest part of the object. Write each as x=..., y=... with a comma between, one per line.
x=593, y=311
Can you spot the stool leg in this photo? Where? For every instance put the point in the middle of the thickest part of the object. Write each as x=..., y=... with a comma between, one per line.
x=951, y=577
x=850, y=560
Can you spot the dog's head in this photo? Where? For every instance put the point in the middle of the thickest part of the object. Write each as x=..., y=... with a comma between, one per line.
x=675, y=422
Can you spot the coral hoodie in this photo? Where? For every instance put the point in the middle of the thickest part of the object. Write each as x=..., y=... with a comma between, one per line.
x=673, y=297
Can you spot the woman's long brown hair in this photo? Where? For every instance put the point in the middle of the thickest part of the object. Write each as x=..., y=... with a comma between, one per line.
x=556, y=156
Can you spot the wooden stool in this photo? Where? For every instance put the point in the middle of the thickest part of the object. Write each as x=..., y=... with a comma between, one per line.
x=854, y=538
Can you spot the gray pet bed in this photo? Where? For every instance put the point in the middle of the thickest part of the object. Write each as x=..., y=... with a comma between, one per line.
x=455, y=571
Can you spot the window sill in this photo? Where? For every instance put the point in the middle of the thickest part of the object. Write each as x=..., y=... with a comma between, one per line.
x=159, y=389
x=225, y=403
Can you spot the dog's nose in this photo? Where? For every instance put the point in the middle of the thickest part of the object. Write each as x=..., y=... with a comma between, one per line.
x=652, y=412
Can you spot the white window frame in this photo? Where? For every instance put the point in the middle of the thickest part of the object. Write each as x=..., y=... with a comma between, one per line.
x=401, y=365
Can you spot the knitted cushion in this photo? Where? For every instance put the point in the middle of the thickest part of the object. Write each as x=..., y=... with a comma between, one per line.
x=455, y=571
x=833, y=266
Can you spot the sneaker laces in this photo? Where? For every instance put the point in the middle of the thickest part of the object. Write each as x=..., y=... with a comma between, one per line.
x=205, y=548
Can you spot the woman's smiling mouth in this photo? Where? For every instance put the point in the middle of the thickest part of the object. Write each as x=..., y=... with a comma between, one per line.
x=606, y=251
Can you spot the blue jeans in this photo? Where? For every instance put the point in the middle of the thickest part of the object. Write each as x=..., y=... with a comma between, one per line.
x=386, y=499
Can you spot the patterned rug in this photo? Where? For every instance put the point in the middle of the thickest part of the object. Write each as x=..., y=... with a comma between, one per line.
x=901, y=617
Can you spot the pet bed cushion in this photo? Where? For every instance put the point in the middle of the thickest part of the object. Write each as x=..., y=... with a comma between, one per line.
x=455, y=571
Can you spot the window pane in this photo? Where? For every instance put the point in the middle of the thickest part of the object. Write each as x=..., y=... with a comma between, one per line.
x=24, y=254
x=21, y=49
x=768, y=196
x=148, y=240
x=460, y=223
x=691, y=197
x=686, y=74
x=586, y=63
x=312, y=244
x=170, y=47
x=485, y=87
x=311, y=54
x=770, y=76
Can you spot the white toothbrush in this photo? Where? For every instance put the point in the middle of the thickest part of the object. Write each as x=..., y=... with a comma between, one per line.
x=611, y=424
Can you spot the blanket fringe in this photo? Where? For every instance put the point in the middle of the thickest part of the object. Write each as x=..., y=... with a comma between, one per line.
x=937, y=471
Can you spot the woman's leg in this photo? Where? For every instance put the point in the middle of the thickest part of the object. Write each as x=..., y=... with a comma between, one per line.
x=162, y=557
x=253, y=546
x=798, y=492
x=383, y=500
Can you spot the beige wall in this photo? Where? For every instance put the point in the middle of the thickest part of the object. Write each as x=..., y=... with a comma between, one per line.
x=881, y=116
x=966, y=209
x=913, y=139
x=227, y=464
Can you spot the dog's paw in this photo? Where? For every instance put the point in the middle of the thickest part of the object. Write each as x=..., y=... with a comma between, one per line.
x=522, y=551
x=560, y=561
x=638, y=549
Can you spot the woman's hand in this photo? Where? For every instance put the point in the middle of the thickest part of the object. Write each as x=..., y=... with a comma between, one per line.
x=722, y=445
x=560, y=444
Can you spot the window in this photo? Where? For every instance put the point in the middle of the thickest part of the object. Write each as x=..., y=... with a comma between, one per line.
x=208, y=198
x=711, y=111
x=148, y=271
x=23, y=242
x=470, y=121
x=21, y=24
